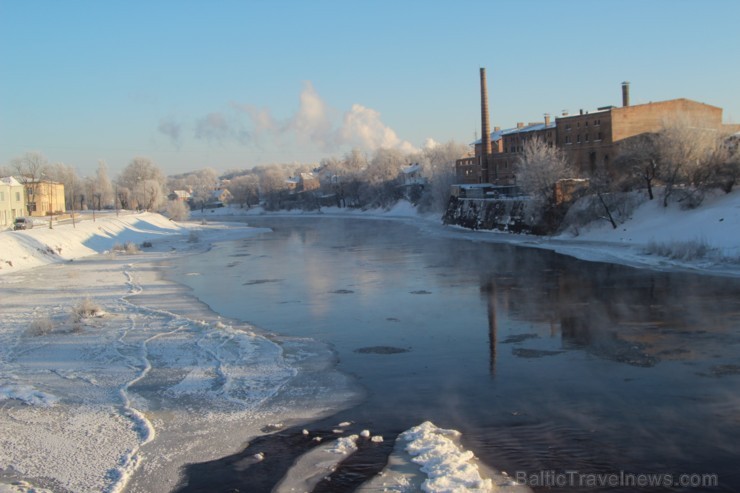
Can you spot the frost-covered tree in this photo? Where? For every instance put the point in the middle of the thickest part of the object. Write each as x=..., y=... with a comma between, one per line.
x=539, y=168
x=144, y=182
x=67, y=176
x=245, y=189
x=272, y=183
x=102, y=193
x=438, y=168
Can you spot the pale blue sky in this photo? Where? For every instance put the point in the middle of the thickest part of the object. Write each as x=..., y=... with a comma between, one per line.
x=233, y=84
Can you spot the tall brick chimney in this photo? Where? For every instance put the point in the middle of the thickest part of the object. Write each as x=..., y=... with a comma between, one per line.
x=485, y=128
x=625, y=93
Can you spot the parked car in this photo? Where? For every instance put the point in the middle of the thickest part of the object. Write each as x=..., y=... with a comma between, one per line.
x=23, y=223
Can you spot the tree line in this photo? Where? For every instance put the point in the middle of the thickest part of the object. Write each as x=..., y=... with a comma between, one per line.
x=356, y=179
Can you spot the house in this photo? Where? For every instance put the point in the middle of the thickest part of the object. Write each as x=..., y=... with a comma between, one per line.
x=591, y=140
x=12, y=201
x=44, y=198
x=180, y=195
x=303, y=182
x=220, y=197
x=411, y=175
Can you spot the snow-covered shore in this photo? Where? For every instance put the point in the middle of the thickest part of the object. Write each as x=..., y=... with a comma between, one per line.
x=112, y=378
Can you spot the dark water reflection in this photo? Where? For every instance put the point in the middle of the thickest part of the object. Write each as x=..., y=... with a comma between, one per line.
x=542, y=361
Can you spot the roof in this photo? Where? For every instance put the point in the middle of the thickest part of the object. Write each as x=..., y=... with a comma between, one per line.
x=411, y=168
x=10, y=181
x=499, y=134
x=183, y=194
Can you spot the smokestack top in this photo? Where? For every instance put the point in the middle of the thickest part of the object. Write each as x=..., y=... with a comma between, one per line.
x=625, y=93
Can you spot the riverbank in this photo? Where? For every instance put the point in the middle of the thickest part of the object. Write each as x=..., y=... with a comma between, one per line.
x=112, y=379
x=702, y=240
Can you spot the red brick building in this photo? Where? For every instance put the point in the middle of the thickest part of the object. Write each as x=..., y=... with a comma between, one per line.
x=590, y=140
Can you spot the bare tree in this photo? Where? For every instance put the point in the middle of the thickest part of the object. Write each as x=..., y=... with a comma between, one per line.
x=639, y=156
x=539, y=168
x=686, y=151
x=29, y=167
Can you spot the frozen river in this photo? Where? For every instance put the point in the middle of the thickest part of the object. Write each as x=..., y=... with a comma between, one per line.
x=543, y=362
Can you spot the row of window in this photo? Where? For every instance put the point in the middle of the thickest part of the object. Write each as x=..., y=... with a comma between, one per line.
x=587, y=138
x=17, y=196
x=596, y=123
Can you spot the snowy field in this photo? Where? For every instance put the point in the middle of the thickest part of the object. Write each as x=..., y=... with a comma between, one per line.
x=112, y=379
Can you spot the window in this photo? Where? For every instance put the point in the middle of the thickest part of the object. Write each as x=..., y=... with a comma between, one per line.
x=2, y=196
x=578, y=140
x=597, y=122
x=567, y=140
x=587, y=138
x=567, y=127
x=17, y=196
x=599, y=137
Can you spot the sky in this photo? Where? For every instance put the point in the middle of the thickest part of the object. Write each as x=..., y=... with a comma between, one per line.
x=233, y=84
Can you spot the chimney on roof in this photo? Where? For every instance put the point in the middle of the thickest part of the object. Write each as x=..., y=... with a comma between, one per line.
x=519, y=124
x=485, y=127
x=625, y=93
x=496, y=129
x=547, y=119
x=565, y=112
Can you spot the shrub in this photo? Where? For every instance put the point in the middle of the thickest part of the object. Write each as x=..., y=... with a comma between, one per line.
x=680, y=250
x=41, y=325
x=128, y=247
x=86, y=308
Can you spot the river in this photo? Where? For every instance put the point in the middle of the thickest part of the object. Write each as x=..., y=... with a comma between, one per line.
x=542, y=361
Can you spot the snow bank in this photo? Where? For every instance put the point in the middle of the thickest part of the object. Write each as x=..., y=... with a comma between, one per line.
x=716, y=221
x=41, y=246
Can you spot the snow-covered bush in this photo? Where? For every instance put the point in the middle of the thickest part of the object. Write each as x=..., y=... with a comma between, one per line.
x=40, y=325
x=86, y=308
x=177, y=210
x=128, y=247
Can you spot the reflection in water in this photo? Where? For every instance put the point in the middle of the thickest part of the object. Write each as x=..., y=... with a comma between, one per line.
x=542, y=361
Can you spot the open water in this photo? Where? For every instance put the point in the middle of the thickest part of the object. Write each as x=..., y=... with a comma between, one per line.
x=543, y=362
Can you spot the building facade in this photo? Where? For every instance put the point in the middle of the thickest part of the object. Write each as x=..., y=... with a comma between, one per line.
x=44, y=198
x=12, y=201
x=590, y=140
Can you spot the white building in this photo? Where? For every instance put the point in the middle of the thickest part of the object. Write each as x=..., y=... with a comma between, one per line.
x=12, y=201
